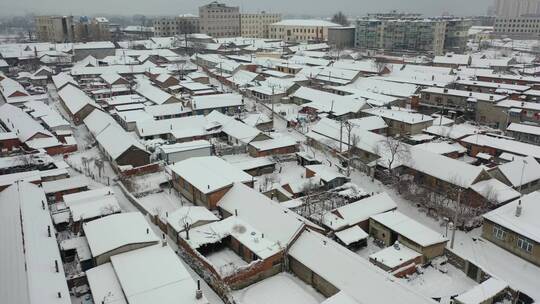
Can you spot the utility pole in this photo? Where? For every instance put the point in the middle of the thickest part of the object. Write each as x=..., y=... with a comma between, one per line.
x=454, y=226
x=340, y=136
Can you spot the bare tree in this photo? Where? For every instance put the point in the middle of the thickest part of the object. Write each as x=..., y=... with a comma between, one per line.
x=341, y=19
x=186, y=222
x=392, y=151
x=99, y=165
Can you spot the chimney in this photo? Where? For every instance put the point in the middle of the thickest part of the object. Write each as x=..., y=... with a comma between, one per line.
x=198, y=292
x=490, y=97
x=519, y=208
x=445, y=90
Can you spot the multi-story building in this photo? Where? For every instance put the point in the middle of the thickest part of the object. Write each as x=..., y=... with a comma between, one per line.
x=95, y=29
x=516, y=8
x=527, y=26
x=257, y=25
x=54, y=28
x=219, y=20
x=65, y=29
x=301, y=30
x=421, y=35
x=174, y=26
x=413, y=34
x=457, y=34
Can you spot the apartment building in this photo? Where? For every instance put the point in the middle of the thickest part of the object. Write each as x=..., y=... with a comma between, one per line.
x=219, y=20
x=457, y=34
x=174, y=26
x=94, y=29
x=299, y=30
x=422, y=35
x=54, y=28
x=413, y=34
x=64, y=29
x=526, y=26
x=257, y=25
x=516, y=8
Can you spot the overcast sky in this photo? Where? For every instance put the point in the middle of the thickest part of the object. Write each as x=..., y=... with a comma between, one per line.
x=295, y=7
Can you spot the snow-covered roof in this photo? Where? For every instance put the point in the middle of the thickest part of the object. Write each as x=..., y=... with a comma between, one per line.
x=93, y=45
x=516, y=104
x=351, y=235
x=381, y=86
x=92, y=208
x=349, y=272
x=369, y=123
x=399, y=114
x=105, y=285
x=523, y=128
x=64, y=184
x=393, y=257
x=186, y=146
x=454, y=131
x=483, y=292
x=80, y=244
x=111, y=78
x=450, y=58
x=209, y=173
x=503, y=144
x=152, y=93
x=326, y=102
x=118, y=230
x=274, y=143
x=409, y=228
x=62, y=79
x=460, y=93
x=216, y=101
x=527, y=223
x=521, y=171
x=262, y=213
x=493, y=85
x=97, y=121
x=232, y=127
x=306, y=22
x=154, y=274
x=325, y=173
x=442, y=147
x=255, y=119
x=75, y=99
x=115, y=141
x=21, y=123
x=361, y=210
x=495, y=191
x=51, y=118
x=189, y=215
x=9, y=86
x=28, y=253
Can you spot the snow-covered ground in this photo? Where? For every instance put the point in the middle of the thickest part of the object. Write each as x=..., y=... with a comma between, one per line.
x=435, y=284
x=281, y=288
x=226, y=261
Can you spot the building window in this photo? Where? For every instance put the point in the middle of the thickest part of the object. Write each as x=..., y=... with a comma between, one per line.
x=525, y=244
x=499, y=233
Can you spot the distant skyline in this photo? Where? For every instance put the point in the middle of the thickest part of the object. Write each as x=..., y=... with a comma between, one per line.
x=351, y=8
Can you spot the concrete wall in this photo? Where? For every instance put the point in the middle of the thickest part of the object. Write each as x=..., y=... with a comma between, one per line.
x=510, y=243
x=312, y=278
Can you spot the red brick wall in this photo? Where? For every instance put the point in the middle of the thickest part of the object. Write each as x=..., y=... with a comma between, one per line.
x=10, y=144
